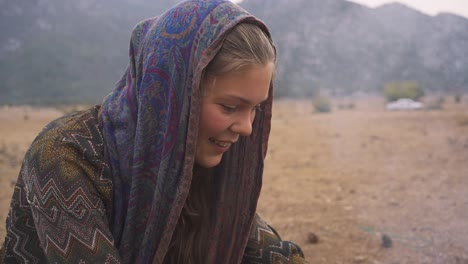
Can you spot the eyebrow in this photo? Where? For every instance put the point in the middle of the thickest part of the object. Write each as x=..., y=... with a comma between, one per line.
x=244, y=100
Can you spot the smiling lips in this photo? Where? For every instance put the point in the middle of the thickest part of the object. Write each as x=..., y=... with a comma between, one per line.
x=222, y=144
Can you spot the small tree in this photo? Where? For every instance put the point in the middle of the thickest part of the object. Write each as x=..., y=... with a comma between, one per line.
x=321, y=104
x=408, y=89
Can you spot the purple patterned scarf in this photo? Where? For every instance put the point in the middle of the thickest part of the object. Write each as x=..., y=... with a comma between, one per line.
x=150, y=126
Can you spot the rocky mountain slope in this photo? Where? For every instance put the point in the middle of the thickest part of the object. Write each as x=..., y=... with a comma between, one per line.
x=74, y=51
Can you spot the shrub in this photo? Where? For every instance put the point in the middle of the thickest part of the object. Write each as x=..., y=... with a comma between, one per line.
x=321, y=104
x=396, y=90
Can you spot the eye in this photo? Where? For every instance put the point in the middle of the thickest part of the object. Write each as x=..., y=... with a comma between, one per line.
x=228, y=108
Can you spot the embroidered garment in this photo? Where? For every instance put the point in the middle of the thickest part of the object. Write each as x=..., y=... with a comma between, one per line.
x=63, y=198
x=62, y=203
x=266, y=246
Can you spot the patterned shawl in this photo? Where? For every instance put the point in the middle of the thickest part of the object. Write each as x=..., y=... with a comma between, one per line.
x=150, y=126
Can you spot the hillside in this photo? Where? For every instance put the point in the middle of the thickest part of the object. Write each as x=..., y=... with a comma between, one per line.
x=53, y=51
x=344, y=47
x=72, y=51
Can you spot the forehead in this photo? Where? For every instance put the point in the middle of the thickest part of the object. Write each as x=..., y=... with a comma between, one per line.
x=252, y=84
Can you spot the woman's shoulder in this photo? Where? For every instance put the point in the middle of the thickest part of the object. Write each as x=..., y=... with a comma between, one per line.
x=67, y=149
x=71, y=125
x=77, y=131
x=69, y=153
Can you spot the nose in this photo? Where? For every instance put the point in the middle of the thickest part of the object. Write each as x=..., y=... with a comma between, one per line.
x=243, y=124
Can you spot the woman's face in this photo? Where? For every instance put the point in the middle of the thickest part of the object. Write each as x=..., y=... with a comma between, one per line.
x=228, y=110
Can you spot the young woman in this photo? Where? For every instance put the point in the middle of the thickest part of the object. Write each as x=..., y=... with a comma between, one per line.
x=169, y=168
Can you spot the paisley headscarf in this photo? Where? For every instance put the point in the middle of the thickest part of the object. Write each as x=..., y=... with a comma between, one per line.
x=150, y=126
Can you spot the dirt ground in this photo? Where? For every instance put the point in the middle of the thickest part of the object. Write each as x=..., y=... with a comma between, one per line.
x=371, y=186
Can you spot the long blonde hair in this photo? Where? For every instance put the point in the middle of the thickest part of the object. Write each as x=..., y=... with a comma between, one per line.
x=245, y=45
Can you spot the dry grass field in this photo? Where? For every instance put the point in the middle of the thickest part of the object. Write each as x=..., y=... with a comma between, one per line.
x=373, y=186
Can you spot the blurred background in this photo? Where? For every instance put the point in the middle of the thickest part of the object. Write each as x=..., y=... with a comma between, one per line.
x=354, y=174
x=54, y=51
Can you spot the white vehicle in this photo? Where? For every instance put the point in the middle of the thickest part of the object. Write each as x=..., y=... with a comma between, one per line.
x=404, y=104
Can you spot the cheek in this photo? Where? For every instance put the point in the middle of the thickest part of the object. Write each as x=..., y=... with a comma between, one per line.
x=213, y=120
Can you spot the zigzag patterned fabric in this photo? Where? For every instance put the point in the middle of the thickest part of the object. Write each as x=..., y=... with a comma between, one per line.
x=62, y=199
x=62, y=204
x=265, y=246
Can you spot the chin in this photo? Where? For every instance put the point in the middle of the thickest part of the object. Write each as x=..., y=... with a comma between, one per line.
x=208, y=163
